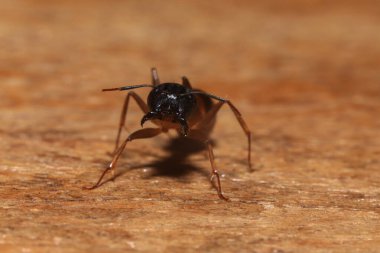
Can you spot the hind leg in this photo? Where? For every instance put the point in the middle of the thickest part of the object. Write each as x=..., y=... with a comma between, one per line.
x=206, y=123
x=155, y=79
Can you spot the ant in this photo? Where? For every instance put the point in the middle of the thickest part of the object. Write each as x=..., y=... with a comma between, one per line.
x=191, y=112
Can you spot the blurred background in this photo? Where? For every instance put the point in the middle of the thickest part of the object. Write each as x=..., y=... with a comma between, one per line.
x=304, y=74
x=63, y=48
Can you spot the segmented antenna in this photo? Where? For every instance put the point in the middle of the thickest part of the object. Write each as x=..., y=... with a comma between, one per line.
x=128, y=87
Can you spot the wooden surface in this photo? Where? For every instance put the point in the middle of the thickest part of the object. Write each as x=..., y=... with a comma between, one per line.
x=305, y=74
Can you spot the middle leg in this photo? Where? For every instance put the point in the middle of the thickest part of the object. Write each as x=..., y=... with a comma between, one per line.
x=143, y=106
x=200, y=136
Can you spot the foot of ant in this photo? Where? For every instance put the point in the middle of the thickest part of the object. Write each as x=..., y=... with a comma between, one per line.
x=218, y=188
x=90, y=187
x=110, y=167
x=222, y=197
x=253, y=168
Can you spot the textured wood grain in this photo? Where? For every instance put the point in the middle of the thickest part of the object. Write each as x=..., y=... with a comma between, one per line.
x=305, y=74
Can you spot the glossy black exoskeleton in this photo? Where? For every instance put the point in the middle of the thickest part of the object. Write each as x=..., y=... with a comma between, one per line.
x=189, y=111
x=167, y=102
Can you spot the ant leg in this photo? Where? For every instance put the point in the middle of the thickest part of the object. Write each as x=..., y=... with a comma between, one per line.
x=123, y=115
x=155, y=79
x=208, y=119
x=186, y=82
x=214, y=171
x=245, y=129
x=200, y=136
x=139, y=134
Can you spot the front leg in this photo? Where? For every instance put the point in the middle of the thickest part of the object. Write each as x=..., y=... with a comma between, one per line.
x=139, y=134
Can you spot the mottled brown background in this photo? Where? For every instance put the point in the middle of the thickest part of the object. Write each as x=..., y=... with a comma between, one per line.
x=305, y=74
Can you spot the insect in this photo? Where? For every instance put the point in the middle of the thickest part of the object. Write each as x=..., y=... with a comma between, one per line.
x=190, y=112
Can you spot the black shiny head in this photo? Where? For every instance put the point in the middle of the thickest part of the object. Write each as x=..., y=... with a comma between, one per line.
x=167, y=103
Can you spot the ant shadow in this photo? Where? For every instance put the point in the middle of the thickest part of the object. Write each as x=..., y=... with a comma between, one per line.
x=176, y=163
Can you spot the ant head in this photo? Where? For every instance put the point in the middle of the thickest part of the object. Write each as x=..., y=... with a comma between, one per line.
x=167, y=103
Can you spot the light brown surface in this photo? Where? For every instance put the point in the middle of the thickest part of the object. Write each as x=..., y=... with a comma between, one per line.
x=304, y=74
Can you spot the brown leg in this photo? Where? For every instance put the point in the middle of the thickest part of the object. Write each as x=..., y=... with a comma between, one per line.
x=155, y=79
x=200, y=136
x=214, y=171
x=208, y=119
x=123, y=115
x=139, y=134
x=186, y=82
